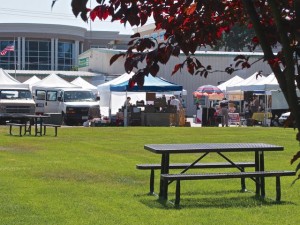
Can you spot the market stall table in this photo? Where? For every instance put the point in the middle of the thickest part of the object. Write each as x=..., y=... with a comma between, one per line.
x=260, y=116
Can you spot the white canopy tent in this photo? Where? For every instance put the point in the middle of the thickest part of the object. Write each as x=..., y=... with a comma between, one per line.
x=233, y=95
x=104, y=89
x=7, y=81
x=244, y=84
x=79, y=81
x=32, y=81
x=269, y=83
x=231, y=82
x=53, y=81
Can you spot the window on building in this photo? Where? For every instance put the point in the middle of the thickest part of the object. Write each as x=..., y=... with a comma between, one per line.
x=65, y=55
x=38, y=55
x=10, y=59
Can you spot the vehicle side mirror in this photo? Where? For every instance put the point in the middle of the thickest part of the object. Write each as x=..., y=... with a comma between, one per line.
x=98, y=98
x=59, y=99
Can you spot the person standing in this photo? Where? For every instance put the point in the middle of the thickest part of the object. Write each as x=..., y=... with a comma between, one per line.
x=255, y=104
x=224, y=112
x=174, y=101
x=175, y=117
x=127, y=102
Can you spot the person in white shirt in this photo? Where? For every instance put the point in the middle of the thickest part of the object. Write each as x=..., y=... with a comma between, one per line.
x=127, y=102
x=175, y=117
x=176, y=102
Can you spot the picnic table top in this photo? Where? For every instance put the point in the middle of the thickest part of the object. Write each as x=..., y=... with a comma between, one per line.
x=211, y=147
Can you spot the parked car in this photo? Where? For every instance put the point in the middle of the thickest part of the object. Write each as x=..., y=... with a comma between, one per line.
x=283, y=117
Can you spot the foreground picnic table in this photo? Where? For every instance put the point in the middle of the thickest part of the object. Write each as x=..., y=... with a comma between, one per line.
x=221, y=149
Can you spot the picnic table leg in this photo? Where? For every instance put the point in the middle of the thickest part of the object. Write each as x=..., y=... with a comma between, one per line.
x=163, y=192
x=10, y=128
x=278, y=191
x=177, y=198
x=152, y=182
x=262, y=179
x=257, y=185
x=20, y=133
x=243, y=183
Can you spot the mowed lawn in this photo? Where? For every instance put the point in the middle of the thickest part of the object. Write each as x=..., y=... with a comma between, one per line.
x=88, y=176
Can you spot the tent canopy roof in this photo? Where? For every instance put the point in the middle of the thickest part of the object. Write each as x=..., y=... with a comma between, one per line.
x=8, y=82
x=79, y=81
x=242, y=86
x=151, y=84
x=234, y=80
x=52, y=81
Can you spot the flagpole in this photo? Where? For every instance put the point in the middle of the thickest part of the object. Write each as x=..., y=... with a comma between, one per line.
x=15, y=57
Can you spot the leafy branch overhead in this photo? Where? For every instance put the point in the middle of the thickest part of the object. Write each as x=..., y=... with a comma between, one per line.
x=191, y=25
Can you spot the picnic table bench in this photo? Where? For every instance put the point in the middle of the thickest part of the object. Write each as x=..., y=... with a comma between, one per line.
x=203, y=176
x=20, y=125
x=211, y=165
x=51, y=125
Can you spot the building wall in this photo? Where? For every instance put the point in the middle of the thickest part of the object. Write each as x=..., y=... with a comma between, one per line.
x=51, y=47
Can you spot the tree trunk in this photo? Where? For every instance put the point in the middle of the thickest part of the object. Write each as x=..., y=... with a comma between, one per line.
x=285, y=77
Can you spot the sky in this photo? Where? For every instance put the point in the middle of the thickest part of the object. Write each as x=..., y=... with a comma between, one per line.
x=39, y=11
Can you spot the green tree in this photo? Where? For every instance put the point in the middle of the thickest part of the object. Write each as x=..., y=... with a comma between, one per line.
x=238, y=39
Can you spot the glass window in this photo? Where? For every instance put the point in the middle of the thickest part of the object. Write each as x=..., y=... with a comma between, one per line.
x=38, y=54
x=40, y=95
x=65, y=55
x=51, y=95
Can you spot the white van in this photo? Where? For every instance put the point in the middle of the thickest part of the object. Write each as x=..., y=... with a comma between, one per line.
x=15, y=100
x=74, y=104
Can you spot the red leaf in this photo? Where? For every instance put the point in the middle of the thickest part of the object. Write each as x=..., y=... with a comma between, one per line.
x=176, y=68
x=239, y=57
x=115, y=57
x=136, y=35
x=255, y=40
x=190, y=68
x=176, y=51
x=94, y=13
x=190, y=10
x=144, y=18
x=154, y=69
x=131, y=83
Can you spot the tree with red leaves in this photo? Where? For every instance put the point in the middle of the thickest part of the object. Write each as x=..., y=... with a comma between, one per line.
x=193, y=24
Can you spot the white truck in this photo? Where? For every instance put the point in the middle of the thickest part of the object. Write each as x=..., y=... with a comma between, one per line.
x=15, y=101
x=74, y=104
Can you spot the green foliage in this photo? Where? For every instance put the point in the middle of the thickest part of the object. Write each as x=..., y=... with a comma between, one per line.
x=88, y=176
x=238, y=39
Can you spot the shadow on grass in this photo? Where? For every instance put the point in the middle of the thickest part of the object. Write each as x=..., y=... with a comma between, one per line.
x=194, y=200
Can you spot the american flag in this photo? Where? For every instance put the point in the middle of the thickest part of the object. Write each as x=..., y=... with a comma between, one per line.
x=8, y=48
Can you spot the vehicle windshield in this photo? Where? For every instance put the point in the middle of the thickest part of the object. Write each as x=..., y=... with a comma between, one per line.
x=15, y=94
x=79, y=96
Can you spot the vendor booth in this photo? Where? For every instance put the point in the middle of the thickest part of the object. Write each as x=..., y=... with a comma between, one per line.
x=153, y=111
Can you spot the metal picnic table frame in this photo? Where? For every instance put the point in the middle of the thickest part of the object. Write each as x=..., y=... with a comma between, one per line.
x=206, y=148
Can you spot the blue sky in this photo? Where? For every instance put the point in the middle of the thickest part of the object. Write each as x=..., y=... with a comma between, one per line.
x=39, y=11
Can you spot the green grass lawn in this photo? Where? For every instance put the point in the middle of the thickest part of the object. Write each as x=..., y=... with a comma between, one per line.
x=88, y=176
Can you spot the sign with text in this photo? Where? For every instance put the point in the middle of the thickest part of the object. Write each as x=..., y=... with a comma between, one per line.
x=83, y=62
